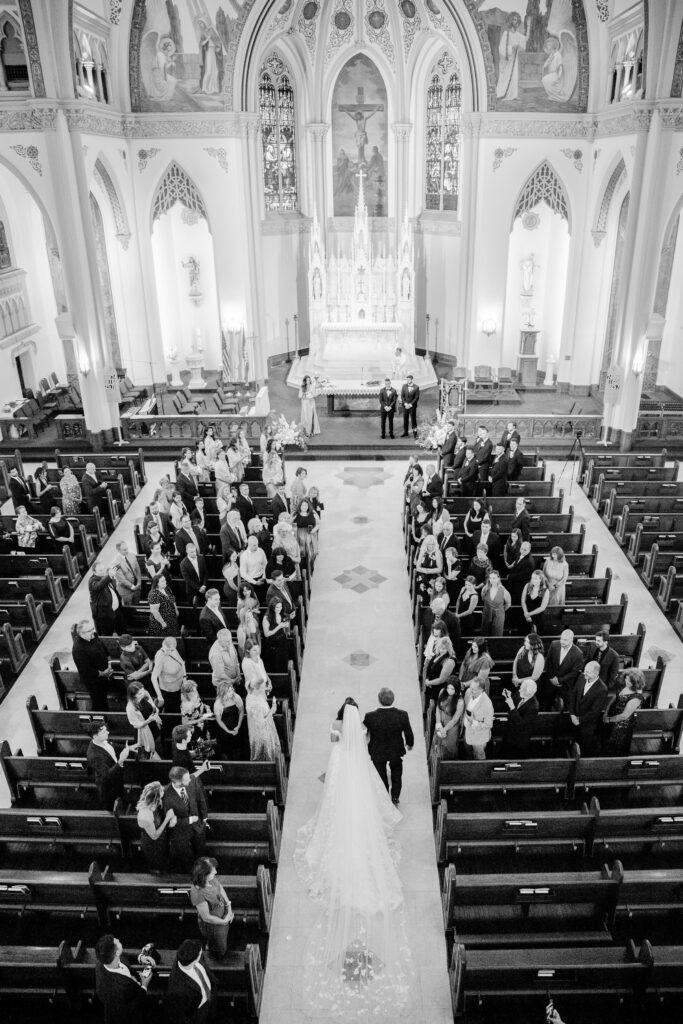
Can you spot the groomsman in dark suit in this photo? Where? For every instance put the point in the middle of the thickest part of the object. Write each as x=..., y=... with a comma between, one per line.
x=562, y=669
x=388, y=397
x=433, y=485
x=499, y=473
x=190, y=995
x=279, y=503
x=19, y=489
x=186, y=485
x=448, y=446
x=515, y=461
x=185, y=796
x=510, y=434
x=586, y=704
x=410, y=396
x=483, y=450
x=194, y=573
x=94, y=492
x=467, y=477
x=389, y=736
x=244, y=505
x=459, y=454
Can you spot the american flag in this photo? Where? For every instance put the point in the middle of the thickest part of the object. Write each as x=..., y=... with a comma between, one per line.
x=226, y=339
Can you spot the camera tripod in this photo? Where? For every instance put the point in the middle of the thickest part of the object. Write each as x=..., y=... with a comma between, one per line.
x=576, y=451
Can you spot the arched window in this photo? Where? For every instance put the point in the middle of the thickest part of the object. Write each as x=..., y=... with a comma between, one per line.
x=278, y=128
x=13, y=67
x=5, y=255
x=442, y=144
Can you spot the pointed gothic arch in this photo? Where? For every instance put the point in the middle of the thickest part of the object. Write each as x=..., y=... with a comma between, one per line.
x=614, y=183
x=543, y=185
x=176, y=186
x=106, y=183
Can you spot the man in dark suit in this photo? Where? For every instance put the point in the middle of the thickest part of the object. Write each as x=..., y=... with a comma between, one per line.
x=197, y=515
x=244, y=505
x=483, y=453
x=105, y=603
x=187, y=839
x=520, y=572
x=433, y=484
x=522, y=520
x=186, y=485
x=190, y=991
x=189, y=533
x=194, y=572
x=105, y=765
x=279, y=589
x=279, y=503
x=498, y=472
x=487, y=536
x=94, y=492
x=121, y=994
x=448, y=446
x=160, y=519
x=467, y=477
x=515, y=461
x=562, y=668
x=387, y=728
x=233, y=535
x=448, y=539
x=511, y=434
x=459, y=456
x=586, y=705
x=388, y=397
x=212, y=618
x=128, y=575
x=608, y=660
x=410, y=396
x=19, y=489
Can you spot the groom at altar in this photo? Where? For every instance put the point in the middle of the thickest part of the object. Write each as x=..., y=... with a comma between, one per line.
x=388, y=727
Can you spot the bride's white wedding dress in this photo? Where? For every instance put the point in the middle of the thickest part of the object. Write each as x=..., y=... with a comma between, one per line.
x=358, y=960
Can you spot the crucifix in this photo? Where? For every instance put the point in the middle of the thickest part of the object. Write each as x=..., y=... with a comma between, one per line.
x=360, y=112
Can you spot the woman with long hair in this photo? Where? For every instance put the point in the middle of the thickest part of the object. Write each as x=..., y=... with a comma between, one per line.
x=428, y=563
x=228, y=711
x=59, y=527
x=535, y=599
x=273, y=472
x=143, y=715
x=309, y=416
x=450, y=706
x=529, y=661
x=163, y=610
x=307, y=526
x=214, y=910
x=512, y=548
x=72, y=496
x=477, y=662
x=619, y=711
x=495, y=602
x=441, y=666
x=153, y=826
x=264, y=742
x=556, y=572
x=275, y=627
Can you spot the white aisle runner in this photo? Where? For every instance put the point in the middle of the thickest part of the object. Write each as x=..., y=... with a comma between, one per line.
x=360, y=638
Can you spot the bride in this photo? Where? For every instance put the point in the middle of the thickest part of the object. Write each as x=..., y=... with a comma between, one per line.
x=358, y=960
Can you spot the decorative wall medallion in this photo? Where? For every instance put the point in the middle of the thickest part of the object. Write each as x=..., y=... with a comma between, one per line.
x=530, y=220
x=31, y=154
x=341, y=28
x=411, y=23
x=679, y=165
x=144, y=155
x=32, y=51
x=500, y=154
x=220, y=155
x=310, y=10
x=576, y=156
x=376, y=28
x=408, y=9
x=308, y=27
x=377, y=19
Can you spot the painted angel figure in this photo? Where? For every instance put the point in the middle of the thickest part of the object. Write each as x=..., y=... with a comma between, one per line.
x=157, y=53
x=560, y=70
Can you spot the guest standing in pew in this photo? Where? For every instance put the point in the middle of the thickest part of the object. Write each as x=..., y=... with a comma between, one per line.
x=450, y=707
x=440, y=664
x=279, y=502
x=153, y=827
x=438, y=612
x=26, y=528
x=529, y=661
x=20, y=490
x=185, y=796
x=607, y=659
x=155, y=517
x=253, y=564
x=619, y=711
x=478, y=719
x=477, y=663
x=72, y=496
x=448, y=447
x=59, y=528
x=190, y=991
x=184, y=753
x=143, y=715
x=562, y=668
x=523, y=714
x=556, y=572
x=247, y=630
x=230, y=732
x=534, y=601
x=223, y=659
x=515, y=460
x=499, y=473
x=186, y=485
x=459, y=456
x=480, y=566
x=135, y=663
x=214, y=910
x=105, y=603
x=196, y=713
x=521, y=571
x=163, y=611
x=45, y=491
x=168, y=675
x=509, y=434
x=231, y=574
x=465, y=606
x=512, y=549
x=121, y=995
x=483, y=453
x=105, y=765
x=276, y=632
x=212, y=618
x=195, y=574
x=586, y=704
x=495, y=603
x=177, y=512
x=189, y=533
x=94, y=492
x=92, y=663
x=522, y=520
x=244, y=504
x=485, y=535
x=128, y=575
x=278, y=588
x=264, y=742
x=466, y=476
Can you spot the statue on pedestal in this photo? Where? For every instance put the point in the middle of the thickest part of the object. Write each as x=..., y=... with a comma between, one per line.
x=528, y=266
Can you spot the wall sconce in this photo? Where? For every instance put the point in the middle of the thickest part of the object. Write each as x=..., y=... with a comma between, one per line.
x=638, y=364
x=84, y=363
x=488, y=326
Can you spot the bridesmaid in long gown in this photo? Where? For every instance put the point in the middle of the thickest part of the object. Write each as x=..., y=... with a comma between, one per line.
x=264, y=742
x=556, y=572
x=618, y=715
x=228, y=709
x=153, y=827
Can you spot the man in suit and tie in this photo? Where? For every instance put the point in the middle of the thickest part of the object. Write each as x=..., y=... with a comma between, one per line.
x=515, y=460
x=19, y=489
x=105, y=765
x=189, y=533
x=185, y=796
x=186, y=485
x=467, y=477
x=485, y=535
x=190, y=990
x=123, y=995
x=155, y=517
x=194, y=573
x=433, y=484
x=483, y=452
x=448, y=539
x=128, y=575
x=212, y=618
x=388, y=397
x=459, y=454
x=562, y=669
x=520, y=572
x=197, y=514
x=448, y=446
x=510, y=434
x=244, y=505
x=608, y=659
x=499, y=473
x=233, y=535
x=105, y=603
x=279, y=503
x=410, y=396
x=586, y=704
x=388, y=727
x=94, y=492
x=278, y=588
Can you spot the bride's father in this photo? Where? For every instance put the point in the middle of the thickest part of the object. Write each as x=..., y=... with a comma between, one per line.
x=387, y=728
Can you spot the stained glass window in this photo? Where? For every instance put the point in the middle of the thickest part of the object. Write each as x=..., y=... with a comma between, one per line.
x=276, y=102
x=444, y=107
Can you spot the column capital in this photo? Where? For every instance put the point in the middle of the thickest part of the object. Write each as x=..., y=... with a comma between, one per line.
x=402, y=130
x=318, y=129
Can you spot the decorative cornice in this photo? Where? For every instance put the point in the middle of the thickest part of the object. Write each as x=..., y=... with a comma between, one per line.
x=160, y=126
x=33, y=53
x=518, y=126
x=672, y=116
x=28, y=119
x=470, y=125
x=286, y=225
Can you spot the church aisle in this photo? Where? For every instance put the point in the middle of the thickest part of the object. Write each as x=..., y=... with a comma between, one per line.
x=359, y=639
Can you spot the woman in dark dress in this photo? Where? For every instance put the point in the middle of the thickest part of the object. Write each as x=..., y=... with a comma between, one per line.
x=275, y=638
x=429, y=563
x=441, y=666
x=535, y=597
x=522, y=717
x=45, y=491
x=529, y=661
x=153, y=827
x=476, y=514
x=163, y=611
x=229, y=730
x=59, y=528
x=512, y=548
x=618, y=715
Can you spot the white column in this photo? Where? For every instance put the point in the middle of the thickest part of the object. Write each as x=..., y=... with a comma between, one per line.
x=317, y=179
x=401, y=154
x=253, y=189
x=469, y=185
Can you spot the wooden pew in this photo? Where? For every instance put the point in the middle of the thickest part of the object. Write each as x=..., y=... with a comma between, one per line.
x=524, y=487
x=662, y=773
x=25, y=617
x=651, y=504
x=119, y=462
x=13, y=656
x=66, y=780
x=118, y=496
x=92, y=523
x=42, y=894
x=496, y=779
x=552, y=505
x=49, y=829
x=32, y=983
x=518, y=910
x=632, y=490
x=657, y=563
x=642, y=540
x=648, y=829
x=650, y=903
x=670, y=590
x=612, y=460
x=631, y=469
x=47, y=589
x=540, y=524
x=63, y=565
x=659, y=522
x=604, y=479
x=119, y=896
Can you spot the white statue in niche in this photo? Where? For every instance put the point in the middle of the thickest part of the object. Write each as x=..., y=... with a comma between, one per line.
x=528, y=266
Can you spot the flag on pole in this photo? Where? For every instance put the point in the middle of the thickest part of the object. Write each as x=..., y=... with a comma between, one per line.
x=245, y=356
x=226, y=356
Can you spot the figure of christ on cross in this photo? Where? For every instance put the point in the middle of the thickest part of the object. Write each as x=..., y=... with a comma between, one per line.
x=360, y=112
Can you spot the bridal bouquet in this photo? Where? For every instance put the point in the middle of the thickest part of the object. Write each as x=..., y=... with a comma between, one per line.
x=288, y=434
x=431, y=435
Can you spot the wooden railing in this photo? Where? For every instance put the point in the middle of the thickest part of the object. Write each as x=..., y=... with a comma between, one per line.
x=659, y=427
x=148, y=430
x=534, y=427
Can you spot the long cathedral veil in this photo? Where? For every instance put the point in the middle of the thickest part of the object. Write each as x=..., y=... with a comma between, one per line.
x=358, y=960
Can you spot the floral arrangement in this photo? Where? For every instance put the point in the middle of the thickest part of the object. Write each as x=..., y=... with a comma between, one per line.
x=287, y=434
x=322, y=385
x=432, y=434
